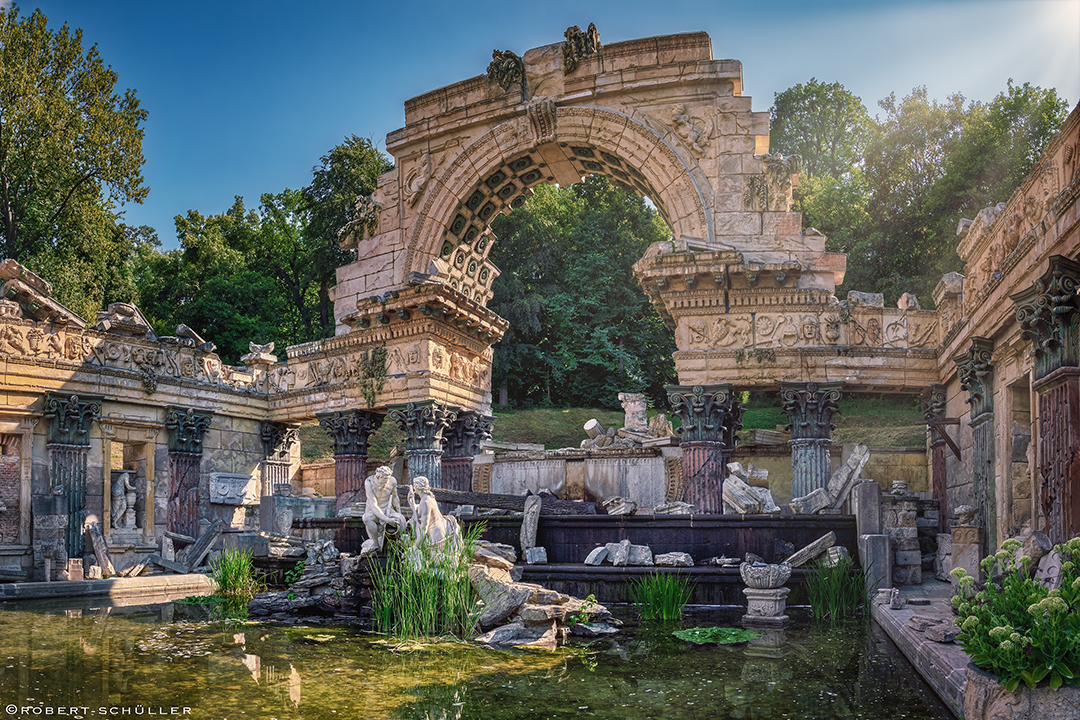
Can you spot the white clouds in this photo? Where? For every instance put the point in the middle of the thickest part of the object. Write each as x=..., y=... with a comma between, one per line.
x=5, y=4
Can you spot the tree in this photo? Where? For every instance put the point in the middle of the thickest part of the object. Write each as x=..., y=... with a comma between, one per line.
x=70, y=146
x=581, y=329
x=824, y=123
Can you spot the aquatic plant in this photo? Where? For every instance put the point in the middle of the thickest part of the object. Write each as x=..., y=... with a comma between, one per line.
x=837, y=590
x=661, y=596
x=235, y=575
x=423, y=590
x=716, y=635
x=1015, y=627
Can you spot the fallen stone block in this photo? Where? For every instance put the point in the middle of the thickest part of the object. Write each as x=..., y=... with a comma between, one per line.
x=619, y=553
x=491, y=559
x=741, y=497
x=833, y=556
x=620, y=506
x=757, y=477
x=840, y=483
x=168, y=564
x=101, y=552
x=809, y=504
x=501, y=600
x=673, y=559
x=501, y=549
x=536, y=556
x=529, y=522
x=943, y=632
x=812, y=550
x=597, y=556
x=735, y=469
x=677, y=507
x=640, y=555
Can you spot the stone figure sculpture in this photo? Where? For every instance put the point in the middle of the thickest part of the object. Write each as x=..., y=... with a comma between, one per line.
x=123, y=502
x=381, y=509
x=429, y=525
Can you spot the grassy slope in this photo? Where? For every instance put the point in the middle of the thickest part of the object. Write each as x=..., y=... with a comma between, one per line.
x=867, y=419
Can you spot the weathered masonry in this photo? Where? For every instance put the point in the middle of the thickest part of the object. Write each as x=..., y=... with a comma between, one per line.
x=91, y=409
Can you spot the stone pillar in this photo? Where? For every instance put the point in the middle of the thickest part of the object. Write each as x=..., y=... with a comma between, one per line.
x=463, y=438
x=706, y=414
x=424, y=424
x=967, y=543
x=70, y=418
x=1048, y=313
x=278, y=439
x=977, y=378
x=935, y=410
x=186, y=428
x=810, y=407
x=350, y=430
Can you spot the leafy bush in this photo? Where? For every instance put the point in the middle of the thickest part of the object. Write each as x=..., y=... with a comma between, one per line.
x=1017, y=629
x=836, y=590
x=661, y=596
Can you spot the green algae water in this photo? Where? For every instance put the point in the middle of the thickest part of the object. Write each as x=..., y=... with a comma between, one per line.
x=171, y=660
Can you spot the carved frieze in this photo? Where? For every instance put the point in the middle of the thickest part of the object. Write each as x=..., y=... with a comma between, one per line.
x=975, y=372
x=70, y=417
x=233, y=489
x=1047, y=311
x=186, y=428
x=810, y=408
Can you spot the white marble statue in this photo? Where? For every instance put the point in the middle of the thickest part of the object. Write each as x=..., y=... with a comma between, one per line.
x=123, y=502
x=429, y=525
x=381, y=508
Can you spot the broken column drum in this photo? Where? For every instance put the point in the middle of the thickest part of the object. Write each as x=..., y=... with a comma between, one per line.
x=70, y=419
x=810, y=407
x=278, y=439
x=976, y=376
x=350, y=430
x=186, y=428
x=1048, y=313
x=707, y=413
x=424, y=424
x=462, y=443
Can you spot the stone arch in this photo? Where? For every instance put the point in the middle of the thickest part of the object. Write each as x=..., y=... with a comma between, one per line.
x=497, y=171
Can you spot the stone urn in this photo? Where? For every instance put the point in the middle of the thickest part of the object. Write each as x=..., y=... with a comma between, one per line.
x=762, y=576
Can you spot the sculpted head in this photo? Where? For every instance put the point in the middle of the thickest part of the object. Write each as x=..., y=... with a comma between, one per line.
x=421, y=485
x=383, y=475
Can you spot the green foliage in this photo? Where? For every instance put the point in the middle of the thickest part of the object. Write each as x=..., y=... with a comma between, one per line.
x=582, y=615
x=837, y=591
x=293, y=576
x=235, y=574
x=581, y=330
x=70, y=151
x=1017, y=629
x=824, y=123
x=423, y=590
x=661, y=596
x=716, y=635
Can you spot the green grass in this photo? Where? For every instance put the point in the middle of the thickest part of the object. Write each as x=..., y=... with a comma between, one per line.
x=837, y=591
x=235, y=574
x=553, y=428
x=661, y=596
x=420, y=592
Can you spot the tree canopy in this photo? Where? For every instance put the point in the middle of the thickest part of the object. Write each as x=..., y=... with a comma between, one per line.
x=70, y=153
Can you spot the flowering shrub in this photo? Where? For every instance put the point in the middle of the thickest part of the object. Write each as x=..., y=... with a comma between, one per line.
x=1016, y=628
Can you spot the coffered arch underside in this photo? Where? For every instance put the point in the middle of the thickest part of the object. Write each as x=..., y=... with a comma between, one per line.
x=497, y=172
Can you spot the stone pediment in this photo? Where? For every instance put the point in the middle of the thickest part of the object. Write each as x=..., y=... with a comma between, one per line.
x=26, y=295
x=124, y=319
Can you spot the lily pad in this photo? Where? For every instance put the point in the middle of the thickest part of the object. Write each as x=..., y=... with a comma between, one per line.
x=716, y=635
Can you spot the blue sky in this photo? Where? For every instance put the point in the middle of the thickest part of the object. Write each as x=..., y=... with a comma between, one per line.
x=244, y=97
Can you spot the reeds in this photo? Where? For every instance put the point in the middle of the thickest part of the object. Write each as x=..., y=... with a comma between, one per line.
x=661, y=596
x=836, y=590
x=236, y=577
x=423, y=590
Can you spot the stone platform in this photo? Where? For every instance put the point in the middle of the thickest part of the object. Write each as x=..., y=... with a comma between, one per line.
x=149, y=587
x=942, y=665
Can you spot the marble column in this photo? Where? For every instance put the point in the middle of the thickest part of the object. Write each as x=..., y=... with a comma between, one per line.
x=350, y=430
x=424, y=424
x=278, y=440
x=810, y=407
x=186, y=428
x=976, y=376
x=707, y=412
x=934, y=410
x=463, y=438
x=70, y=418
x=1047, y=311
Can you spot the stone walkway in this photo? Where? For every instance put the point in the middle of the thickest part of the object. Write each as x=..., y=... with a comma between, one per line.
x=191, y=584
x=942, y=665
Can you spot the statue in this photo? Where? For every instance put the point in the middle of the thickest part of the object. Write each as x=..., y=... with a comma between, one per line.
x=382, y=508
x=429, y=525
x=506, y=69
x=123, y=502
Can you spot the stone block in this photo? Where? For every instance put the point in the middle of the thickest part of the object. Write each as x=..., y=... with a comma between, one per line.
x=640, y=555
x=256, y=544
x=908, y=557
x=812, y=550
x=876, y=561
x=810, y=504
x=619, y=553
x=536, y=556
x=673, y=559
x=766, y=606
x=597, y=556
x=867, y=501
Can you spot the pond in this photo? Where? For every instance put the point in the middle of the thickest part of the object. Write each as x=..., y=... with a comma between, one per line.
x=171, y=660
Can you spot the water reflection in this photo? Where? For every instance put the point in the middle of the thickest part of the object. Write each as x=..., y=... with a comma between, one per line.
x=177, y=655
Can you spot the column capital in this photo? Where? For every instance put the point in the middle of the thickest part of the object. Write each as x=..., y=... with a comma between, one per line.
x=186, y=428
x=810, y=408
x=278, y=439
x=1047, y=312
x=975, y=372
x=423, y=423
x=70, y=417
x=465, y=433
x=705, y=411
x=350, y=429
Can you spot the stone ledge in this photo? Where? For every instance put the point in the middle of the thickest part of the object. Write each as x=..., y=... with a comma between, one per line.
x=192, y=584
